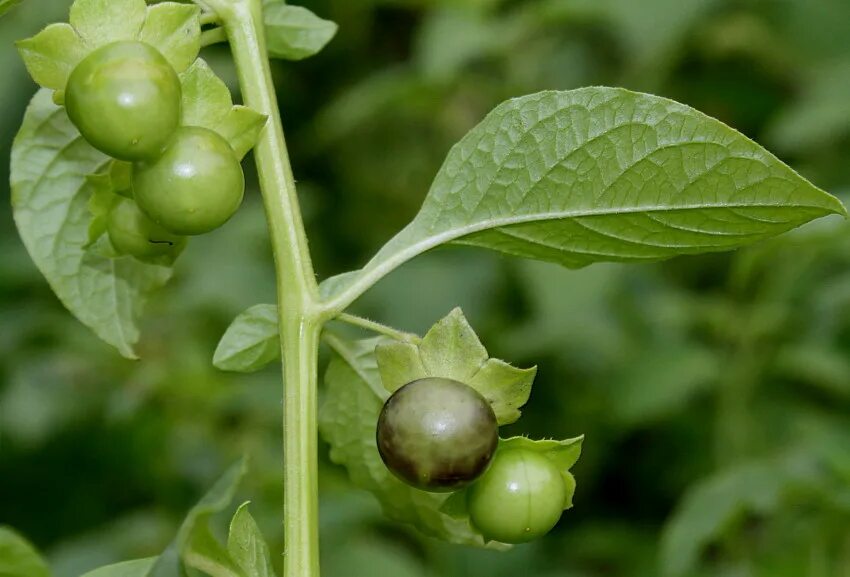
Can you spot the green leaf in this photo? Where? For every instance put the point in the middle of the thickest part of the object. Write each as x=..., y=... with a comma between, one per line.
x=100, y=22
x=52, y=54
x=250, y=342
x=451, y=349
x=247, y=547
x=715, y=503
x=293, y=32
x=137, y=568
x=354, y=397
x=6, y=5
x=50, y=194
x=600, y=174
x=195, y=545
x=18, y=558
x=175, y=30
x=207, y=103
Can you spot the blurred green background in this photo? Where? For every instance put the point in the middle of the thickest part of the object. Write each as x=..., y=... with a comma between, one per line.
x=714, y=391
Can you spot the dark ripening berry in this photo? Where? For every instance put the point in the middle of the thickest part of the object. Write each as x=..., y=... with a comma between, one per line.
x=131, y=232
x=124, y=98
x=519, y=498
x=437, y=434
x=195, y=186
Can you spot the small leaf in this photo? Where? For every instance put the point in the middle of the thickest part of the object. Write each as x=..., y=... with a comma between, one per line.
x=250, y=342
x=711, y=505
x=101, y=201
x=6, y=5
x=247, y=547
x=195, y=545
x=600, y=174
x=207, y=103
x=506, y=387
x=175, y=30
x=18, y=558
x=354, y=397
x=50, y=193
x=52, y=54
x=451, y=349
x=121, y=174
x=137, y=568
x=399, y=363
x=293, y=32
x=100, y=22
x=241, y=128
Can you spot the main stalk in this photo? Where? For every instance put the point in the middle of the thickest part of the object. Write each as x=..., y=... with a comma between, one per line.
x=300, y=318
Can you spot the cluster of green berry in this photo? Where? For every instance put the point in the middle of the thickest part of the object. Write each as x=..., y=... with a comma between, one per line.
x=441, y=435
x=126, y=99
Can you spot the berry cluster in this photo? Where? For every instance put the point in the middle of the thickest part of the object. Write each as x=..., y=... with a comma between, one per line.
x=125, y=99
x=441, y=435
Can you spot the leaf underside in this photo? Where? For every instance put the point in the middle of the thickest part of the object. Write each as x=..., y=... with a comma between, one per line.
x=50, y=194
x=601, y=174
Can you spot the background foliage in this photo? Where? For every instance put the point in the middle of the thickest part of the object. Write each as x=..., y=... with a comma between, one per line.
x=714, y=391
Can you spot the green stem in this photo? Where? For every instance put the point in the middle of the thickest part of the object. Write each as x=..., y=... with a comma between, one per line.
x=378, y=328
x=213, y=36
x=300, y=316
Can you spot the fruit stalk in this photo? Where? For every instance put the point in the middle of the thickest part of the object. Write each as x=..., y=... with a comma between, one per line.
x=301, y=316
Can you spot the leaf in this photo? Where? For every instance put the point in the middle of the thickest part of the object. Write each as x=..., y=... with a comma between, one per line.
x=52, y=54
x=137, y=568
x=175, y=29
x=600, y=174
x=50, y=193
x=6, y=5
x=250, y=342
x=195, y=545
x=18, y=558
x=293, y=32
x=452, y=350
x=712, y=505
x=207, y=103
x=247, y=547
x=347, y=419
x=100, y=22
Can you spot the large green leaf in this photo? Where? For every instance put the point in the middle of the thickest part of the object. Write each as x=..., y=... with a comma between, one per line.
x=600, y=174
x=347, y=420
x=18, y=558
x=50, y=194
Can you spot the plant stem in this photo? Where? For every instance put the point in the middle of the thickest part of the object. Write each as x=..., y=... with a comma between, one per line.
x=378, y=328
x=213, y=36
x=300, y=317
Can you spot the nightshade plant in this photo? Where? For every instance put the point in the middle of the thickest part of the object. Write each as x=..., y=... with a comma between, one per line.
x=576, y=177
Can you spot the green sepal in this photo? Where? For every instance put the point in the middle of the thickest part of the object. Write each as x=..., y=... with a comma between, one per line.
x=175, y=30
x=172, y=28
x=451, y=349
x=121, y=174
x=293, y=32
x=52, y=54
x=100, y=202
x=207, y=103
x=563, y=454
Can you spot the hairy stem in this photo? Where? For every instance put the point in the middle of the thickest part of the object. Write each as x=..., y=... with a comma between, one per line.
x=300, y=318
